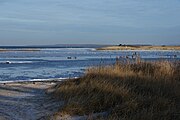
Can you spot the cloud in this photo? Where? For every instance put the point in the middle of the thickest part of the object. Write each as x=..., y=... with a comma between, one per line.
x=8, y=19
x=104, y=17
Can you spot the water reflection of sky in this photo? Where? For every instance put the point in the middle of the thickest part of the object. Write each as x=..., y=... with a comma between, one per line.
x=54, y=63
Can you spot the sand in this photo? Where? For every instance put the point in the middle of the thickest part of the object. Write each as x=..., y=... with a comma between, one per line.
x=33, y=101
x=140, y=48
x=27, y=101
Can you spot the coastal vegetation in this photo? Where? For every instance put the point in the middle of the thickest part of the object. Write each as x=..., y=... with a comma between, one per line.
x=126, y=91
x=139, y=47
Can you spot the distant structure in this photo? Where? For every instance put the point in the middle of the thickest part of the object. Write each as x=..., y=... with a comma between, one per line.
x=120, y=45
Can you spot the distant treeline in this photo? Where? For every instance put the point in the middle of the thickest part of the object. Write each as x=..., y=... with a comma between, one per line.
x=55, y=46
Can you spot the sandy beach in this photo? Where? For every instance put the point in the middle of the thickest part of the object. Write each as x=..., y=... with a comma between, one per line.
x=27, y=101
x=131, y=47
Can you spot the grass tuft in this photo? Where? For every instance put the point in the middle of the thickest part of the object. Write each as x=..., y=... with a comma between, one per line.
x=133, y=91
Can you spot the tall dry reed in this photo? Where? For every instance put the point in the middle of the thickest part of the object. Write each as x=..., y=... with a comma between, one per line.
x=132, y=91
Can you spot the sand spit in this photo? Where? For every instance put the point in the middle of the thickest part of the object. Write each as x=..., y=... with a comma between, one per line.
x=131, y=47
x=19, y=50
x=27, y=101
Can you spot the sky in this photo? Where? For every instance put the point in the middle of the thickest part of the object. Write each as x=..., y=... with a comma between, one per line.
x=47, y=22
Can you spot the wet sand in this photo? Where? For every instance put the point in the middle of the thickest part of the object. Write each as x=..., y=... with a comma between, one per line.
x=27, y=101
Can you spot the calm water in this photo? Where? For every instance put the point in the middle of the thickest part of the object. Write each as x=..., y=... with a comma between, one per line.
x=54, y=63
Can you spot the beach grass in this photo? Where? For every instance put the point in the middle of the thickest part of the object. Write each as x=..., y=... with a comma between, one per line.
x=125, y=91
x=131, y=47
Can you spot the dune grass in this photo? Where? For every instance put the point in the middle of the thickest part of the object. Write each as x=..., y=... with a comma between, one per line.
x=132, y=91
x=140, y=48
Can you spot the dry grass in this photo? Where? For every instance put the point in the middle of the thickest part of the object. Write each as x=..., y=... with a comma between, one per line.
x=140, y=48
x=136, y=91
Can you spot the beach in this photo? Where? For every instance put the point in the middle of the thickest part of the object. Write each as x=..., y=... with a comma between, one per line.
x=139, y=47
x=46, y=84
x=27, y=101
x=109, y=92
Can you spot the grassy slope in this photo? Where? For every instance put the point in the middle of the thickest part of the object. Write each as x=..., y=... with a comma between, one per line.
x=140, y=48
x=126, y=91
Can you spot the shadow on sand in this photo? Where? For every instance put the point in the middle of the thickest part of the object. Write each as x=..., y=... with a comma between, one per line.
x=26, y=101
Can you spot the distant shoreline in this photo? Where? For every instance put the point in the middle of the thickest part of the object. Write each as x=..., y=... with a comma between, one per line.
x=134, y=47
x=20, y=50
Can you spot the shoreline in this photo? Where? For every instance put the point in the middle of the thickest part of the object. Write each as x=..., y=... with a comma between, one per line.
x=19, y=50
x=37, y=80
x=32, y=81
x=131, y=47
x=55, y=99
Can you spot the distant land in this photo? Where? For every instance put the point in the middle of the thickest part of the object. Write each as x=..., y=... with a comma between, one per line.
x=97, y=46
x=140, y=47
x=55, y=46
x=33, y=48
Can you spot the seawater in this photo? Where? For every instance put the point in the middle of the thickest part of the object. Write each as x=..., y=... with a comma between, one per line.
x=62, y=63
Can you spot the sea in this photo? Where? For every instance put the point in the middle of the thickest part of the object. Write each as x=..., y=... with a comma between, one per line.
x=59, y=63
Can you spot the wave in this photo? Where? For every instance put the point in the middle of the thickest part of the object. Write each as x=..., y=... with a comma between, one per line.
x=16, y=62
x=37, y=80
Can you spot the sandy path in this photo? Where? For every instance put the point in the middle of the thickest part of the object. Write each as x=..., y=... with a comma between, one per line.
x=26, y=101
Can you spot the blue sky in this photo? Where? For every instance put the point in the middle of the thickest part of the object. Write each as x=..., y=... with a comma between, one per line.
x=36, y=22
